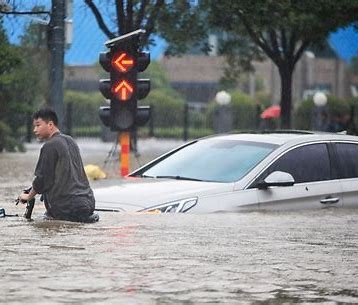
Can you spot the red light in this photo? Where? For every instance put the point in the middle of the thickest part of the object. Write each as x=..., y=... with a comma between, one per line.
x=123, y=90
x=122, y=62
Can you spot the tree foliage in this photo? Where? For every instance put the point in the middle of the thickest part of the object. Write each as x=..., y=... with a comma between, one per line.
x=282, y=30
x=22, y=83
x=9, y=61
x=36, y=61
x=180, y=22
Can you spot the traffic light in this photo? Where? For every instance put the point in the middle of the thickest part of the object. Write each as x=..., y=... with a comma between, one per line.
x=124, y=61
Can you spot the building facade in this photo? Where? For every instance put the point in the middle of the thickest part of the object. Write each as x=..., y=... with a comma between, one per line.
x=197, y=77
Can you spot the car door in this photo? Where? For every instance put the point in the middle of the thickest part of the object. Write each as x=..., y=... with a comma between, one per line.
x=316, y=185
x=347, y=157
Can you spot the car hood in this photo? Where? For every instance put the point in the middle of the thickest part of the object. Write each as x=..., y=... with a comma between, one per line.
x=135, y=194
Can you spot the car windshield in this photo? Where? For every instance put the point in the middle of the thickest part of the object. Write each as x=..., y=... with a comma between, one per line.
x=216, y=160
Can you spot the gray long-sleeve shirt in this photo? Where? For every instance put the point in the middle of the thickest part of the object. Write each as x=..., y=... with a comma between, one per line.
x=61, y=178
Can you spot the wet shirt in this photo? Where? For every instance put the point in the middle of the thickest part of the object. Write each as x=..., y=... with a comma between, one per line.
x=60, y=177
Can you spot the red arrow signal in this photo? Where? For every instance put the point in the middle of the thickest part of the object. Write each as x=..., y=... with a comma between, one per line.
x=123, y=90
x=122, y=62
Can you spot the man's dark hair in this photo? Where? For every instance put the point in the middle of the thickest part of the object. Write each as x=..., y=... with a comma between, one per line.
x=46, y=114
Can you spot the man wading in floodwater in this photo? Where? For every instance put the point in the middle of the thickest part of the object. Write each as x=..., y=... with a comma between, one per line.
x=59, y=174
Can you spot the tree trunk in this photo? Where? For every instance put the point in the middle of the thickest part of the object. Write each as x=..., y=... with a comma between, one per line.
x=286, y=74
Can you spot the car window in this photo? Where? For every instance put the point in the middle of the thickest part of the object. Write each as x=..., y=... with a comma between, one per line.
x=347, y=154
x=306, y=163
x=212, y=160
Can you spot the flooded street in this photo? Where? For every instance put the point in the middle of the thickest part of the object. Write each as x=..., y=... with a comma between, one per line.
x=226, y=258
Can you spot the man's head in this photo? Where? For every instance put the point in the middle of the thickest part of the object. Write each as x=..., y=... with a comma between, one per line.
x=45, y=123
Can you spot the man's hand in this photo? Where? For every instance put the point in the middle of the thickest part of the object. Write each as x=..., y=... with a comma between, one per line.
x=27, y=196
x=24, y=197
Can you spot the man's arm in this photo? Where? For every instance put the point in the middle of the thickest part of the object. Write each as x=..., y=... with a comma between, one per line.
x=45, y=169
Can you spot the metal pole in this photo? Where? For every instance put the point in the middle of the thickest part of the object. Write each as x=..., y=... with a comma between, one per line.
x=28, y=127
x=56, y=45
x=257, y=116
x=186, y=122
x=68, y=120
x=124, y=139
x=352, y=127
x=151, y=123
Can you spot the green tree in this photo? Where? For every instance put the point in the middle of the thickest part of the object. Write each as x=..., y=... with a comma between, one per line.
x=10, y=60
x=180, y=22
x=36, y=60
x=23, y=81
x=282, y=30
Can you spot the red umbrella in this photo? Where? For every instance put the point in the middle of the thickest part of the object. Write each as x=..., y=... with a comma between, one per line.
x=271, y=112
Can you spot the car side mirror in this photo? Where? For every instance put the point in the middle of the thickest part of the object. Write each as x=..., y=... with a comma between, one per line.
x=277, y=178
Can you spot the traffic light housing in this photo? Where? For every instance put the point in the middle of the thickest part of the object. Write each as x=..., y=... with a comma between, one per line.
x=124, y=61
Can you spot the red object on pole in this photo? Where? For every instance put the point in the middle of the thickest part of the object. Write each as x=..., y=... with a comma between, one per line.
x=271, y=112
x=124, y=138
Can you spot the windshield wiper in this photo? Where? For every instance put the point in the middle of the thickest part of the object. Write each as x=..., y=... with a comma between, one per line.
x=179, y=178
x=146, y=176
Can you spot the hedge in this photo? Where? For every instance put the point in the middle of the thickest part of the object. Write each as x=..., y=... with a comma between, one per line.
x=167, y=109
x=243, y=108
x=335, y=109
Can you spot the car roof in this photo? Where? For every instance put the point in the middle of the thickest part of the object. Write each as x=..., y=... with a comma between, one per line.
x=283, y=137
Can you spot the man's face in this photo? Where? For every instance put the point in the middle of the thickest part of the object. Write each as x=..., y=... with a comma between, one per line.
x=42, y=129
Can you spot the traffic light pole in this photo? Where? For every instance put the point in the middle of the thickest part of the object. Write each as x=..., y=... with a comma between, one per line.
x=124, y=139
x=56, y=45
x=124, y=61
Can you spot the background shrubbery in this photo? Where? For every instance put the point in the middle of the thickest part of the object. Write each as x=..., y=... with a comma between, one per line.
x=167, y=108
x=168, y=111
x=244, y=111
x=335, y=110
x=83, y=109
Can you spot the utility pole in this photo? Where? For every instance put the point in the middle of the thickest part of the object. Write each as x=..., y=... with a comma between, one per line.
x=56, y=45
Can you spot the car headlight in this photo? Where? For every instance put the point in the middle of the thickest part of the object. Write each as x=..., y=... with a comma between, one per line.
x=178, y=206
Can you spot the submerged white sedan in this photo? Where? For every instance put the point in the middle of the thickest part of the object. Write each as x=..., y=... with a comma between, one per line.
x=239, y=172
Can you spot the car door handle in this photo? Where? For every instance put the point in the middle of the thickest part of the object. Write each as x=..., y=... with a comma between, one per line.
x=329, y=200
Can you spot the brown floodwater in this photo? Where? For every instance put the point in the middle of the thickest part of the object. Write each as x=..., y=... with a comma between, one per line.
x=224, y=258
